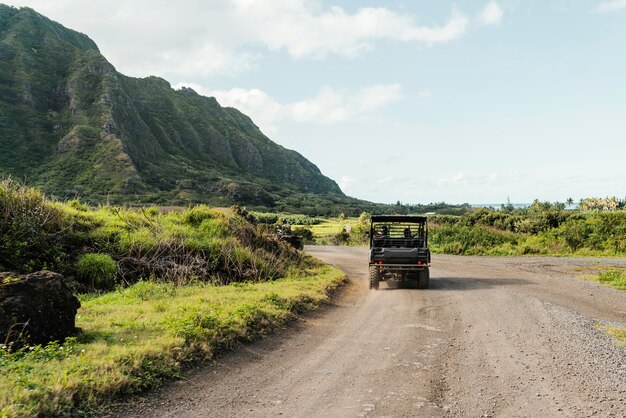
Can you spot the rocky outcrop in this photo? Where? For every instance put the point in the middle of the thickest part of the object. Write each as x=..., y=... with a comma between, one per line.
x=36, y=308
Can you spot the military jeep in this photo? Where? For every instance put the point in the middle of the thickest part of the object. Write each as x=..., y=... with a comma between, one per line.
x=399, y=250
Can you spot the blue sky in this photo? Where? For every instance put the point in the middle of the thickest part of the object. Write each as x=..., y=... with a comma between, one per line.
x=419, y=101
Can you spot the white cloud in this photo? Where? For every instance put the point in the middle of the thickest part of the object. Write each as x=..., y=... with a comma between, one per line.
x=346, y=182
x=612, y=6
x=305, y=31
x=224, y=37
x=204, y=60
x=326, y=107
x=491, y=14
x=374, y=97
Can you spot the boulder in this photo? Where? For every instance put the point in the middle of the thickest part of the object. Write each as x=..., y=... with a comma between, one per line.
x=36, y=308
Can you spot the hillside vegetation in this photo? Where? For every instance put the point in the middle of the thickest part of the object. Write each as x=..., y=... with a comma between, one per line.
x=158, y=290
x=73, y=125
x=217, y=246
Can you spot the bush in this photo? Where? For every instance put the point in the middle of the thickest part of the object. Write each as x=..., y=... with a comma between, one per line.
x=361, y=230
x=575, y=234
x=197, y=214
x=266, y=218
x=305, y=233
x=29, y=230
x=342, y=238
x=613, y=277
x=99, y=269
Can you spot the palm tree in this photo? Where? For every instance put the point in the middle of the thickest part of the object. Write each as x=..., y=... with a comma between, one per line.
x=569, y=202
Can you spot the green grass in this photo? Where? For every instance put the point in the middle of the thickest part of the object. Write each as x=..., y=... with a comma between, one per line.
x=542, y=229
x=107, y=245
x=137, y=337
x=613, y=277
x=100, y=269
x=325, y=231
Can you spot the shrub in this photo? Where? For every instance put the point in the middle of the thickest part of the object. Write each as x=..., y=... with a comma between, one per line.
x=305, y=233
x=361, y=230
x=342, y=238
x=29, y=229
x=197, y=214
x=266, y=218
x=214, y=228
x=575, y=234
x=613, y=277
x=99, y=269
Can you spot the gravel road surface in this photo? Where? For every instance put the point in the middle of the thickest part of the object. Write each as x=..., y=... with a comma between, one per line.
x=493, y=336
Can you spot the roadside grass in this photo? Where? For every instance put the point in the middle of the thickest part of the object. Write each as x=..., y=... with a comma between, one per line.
x=325, y=232
x=619, y=334
x=542, y=229
x=331, y=227
x=613, y=277
x=137, y=337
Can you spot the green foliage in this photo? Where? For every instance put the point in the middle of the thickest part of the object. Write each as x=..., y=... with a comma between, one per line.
x=468, y=240
x=575, y=233
x=137, y=337
x=361, y=229
x=151, y=291
x=278, y=218
x=74, y=126
x=30, y=230
x=613, y=277
x=342, y=238
x=306, y=234
x=197, y=244
x=98, y=269
x=544, y=228
x=197, y=214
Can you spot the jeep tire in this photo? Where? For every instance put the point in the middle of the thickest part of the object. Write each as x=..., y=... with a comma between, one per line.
x=374, y=277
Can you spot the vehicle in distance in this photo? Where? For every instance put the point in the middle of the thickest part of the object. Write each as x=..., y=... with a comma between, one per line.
x=399, y=250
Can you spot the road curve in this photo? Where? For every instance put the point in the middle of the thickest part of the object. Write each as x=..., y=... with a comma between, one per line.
x=508, y=337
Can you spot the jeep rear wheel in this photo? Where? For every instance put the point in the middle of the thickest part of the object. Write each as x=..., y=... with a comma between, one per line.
x=423, y=279
x=374, y=277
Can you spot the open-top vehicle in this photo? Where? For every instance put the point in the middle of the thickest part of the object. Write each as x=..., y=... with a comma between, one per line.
x=399, y=249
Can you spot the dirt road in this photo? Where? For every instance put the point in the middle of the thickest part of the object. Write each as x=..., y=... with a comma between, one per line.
x=503, y=337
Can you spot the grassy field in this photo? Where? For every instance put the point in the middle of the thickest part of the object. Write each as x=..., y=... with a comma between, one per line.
x=325, y=231
x=613, y=277
x=136, y=337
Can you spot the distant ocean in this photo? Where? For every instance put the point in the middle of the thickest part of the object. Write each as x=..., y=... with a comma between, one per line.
x=499, y=205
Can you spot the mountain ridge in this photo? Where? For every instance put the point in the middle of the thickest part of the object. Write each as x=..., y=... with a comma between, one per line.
x=73, y=125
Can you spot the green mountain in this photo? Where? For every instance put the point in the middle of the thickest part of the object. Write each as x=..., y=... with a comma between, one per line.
x=73, y=125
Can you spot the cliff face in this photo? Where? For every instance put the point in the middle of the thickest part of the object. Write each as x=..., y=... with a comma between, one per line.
x=69, y=122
